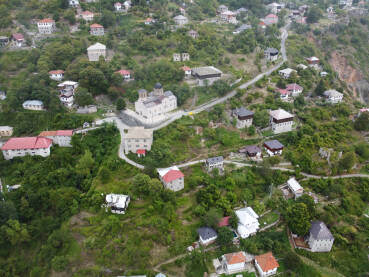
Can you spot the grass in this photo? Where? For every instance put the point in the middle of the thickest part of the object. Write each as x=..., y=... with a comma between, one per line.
x=268, y=218
x=267, y=133
x=366, y=211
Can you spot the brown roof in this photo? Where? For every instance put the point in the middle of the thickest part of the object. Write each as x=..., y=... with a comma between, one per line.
x=266, y=261
x=95, y=25
x=47, y=20
x=235, y=258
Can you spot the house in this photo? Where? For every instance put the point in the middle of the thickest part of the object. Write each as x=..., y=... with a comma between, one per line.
x=234, y=262
x=6, y=131
x=87, y=109
x=266, y=264
x=362, y=110
x=149, y=21
x=138, y=140
x=126, y=74
x=295, y=187
x=4, y=41
x=215, y=162
x=95, y=51
x=271, y=54
x=20, y=147
x=206, y=75
x=87, y=16
x=127, y=5
x=207, y=235
x=66, y=92
x=222, y=9
x=56, y=75
x=18, y=39
x=172, y=178
x=251, y=151
x=185, y=57
x=33, y=105
x=46, y=26
x=323, y=74
x=286, y=73
x=301, y=19
x=96, y=30
x=281, y=121
x=2, y=95
x=284, y=94
x=248, y=223
x=187, y=71
x=176, y=57
x=243, y=116
x=193, y=34
x=242, y=28
x=270, y=19
x=241, y=10
x=302, y=66
x=74, y=3
x=320, y=239
x=118, y=7
x=224, y=221
x=229, y=17
x=62, y=138
x=275, y=7
x=180, y=20
x=294, y=89
x=332, y=96
x=118, y=203
x=273, y=147
x=155, y=105
x=262, y=24
x=313, y=61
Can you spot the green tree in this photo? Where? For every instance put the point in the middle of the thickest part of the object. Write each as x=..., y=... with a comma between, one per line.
x=121, y=104
x=94, y=80
x=347, y=161
x=313, y=14
x=7, y=211
x=211, y=218
x=362, y=122
x=225, y=236
x=85, y=163
x=298, y=219
x=83, y=97
x=261, y=119
x=15, y=232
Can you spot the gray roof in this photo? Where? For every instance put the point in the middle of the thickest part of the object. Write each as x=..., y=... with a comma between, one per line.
x=253, y=149
x=273, y=144
x=320, y=231
x=206, y=233
x=244, y=27
x=214, y=160
x=271, y=51
x=242, y=112
x=158, y=85
x=168, y=93
x=142, y=90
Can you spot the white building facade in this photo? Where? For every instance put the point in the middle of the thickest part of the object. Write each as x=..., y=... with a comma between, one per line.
x=63, y=138
x=95, y=51
x=20, y=147
x=172, y=178
x=320, y=239
x=136, y=139
x=46, y=26
x=33, y=105
x=281, y=121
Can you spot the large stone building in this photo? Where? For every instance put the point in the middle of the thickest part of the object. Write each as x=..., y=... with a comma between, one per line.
x=138, y=140
x=153, y=106
x=95, y=51
x=33, y=105
x=332, y=96
x=20, y=147
x=243, y=116
x=62, y=138
x=172, y=178
x=281, y=121
x=180, y=20
x=320, y=239
x=46, y=26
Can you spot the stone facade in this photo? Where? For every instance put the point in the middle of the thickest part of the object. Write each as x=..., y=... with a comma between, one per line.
x=46, y=26
x=137, y=138
x=95, y=51
x=281, y=121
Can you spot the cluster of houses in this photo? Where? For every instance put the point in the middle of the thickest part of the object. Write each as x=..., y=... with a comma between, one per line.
x=226, y=16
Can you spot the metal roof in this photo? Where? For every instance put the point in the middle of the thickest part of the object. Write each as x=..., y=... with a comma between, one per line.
x=215, y=160
x=320, y=231
x=206, y=233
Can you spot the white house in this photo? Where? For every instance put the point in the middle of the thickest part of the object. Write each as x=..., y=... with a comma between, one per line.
x=295, y=187
x=18, y=39
x=271, y=54
x=95, y=51
x=222, y=9
x=243, y=116
x=281, y=121
x=33, y=105
x=118, y=203
x=332, y=96
x=2, y=95
x=155, y=105
x=66, y=92
x=62, y=138
x=46, y=26
x=172, y=178
x=294, y=89
x=187, y=71
x=138, y=140
x=266, y=264
x=248, y=223
x=6, y=131
x=320, y=239
x=56, y=75
x=215, y=162
x=273, y=147
x=180, y=20
x=275, y=7
x=126, y=74
x=20, y=147
x=87, y=16
x=118, y=7
x=207, y=235
x=234, y=262
x=286, y=73
x=74, y=3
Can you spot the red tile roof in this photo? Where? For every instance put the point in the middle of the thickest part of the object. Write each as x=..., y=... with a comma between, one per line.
x=235, y=258
x=224, y=221
x=172, y=175
x=283, y=91
x=18, y=36
x=59, y=71
x=141, y=152
x=293, y=87
x=27, y=143
x=123, y=72
x=95, y=25
x=271, y=16
x=87, y=13
x=47, y=20
x=186, y=68
x=67, y=133
x=267, y=261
